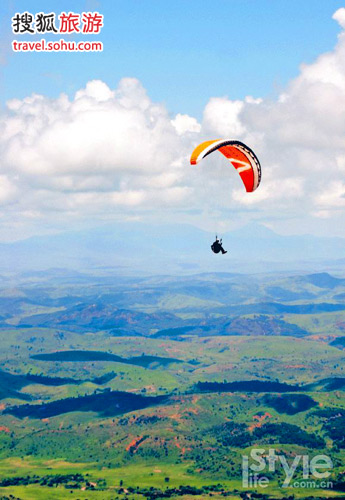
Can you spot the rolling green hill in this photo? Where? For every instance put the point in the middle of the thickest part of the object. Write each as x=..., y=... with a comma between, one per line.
x=156, y=387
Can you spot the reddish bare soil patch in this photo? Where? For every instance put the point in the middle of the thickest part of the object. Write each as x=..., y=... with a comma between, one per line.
x=260, y=420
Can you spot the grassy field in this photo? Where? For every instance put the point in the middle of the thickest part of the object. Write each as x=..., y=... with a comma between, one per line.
x=191, y=438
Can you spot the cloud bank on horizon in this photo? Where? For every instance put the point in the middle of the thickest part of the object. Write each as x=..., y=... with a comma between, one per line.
x=114, y=153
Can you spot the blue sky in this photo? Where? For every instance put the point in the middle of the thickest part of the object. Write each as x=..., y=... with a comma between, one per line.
x=183, y=51
x=107, y=136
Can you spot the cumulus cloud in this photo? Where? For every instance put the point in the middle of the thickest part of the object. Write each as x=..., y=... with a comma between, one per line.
x=8, y=190
x=99, y=132
x=102, y=150
x=115, y=151
x=221, y=116
x=185, y=123
x=299, y=138
x=339, y=16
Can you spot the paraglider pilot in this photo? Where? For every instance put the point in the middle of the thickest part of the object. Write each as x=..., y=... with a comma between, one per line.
x=217, y=246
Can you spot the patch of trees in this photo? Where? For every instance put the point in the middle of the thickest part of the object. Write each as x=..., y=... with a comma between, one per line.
x=246, y=386
x=329, y=413
x=104, y=379
x=290, y=403
x=83, y=356
x=288, y=434
x=51, y=381
x=339, y=484
x=14, y=382
x=334, y=428
x=70, y=481
x=217, y=489
x=232, y=434
x=335, y=383
x=338, y=342
x=155, y=493
x=236, y=435
x=106, y=403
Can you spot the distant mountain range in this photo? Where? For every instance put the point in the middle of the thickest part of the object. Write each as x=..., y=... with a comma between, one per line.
x=153, y=249
x=204, y=304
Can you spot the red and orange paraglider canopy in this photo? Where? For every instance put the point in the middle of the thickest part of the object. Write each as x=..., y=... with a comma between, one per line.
x=240, y=156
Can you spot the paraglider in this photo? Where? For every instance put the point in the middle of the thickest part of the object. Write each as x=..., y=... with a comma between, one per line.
x=241, y=157
x=217, y=246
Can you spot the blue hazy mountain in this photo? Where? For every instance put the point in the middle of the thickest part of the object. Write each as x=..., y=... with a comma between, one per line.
x=137, y=247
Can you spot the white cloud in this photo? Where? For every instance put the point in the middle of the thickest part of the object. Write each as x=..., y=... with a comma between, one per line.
x=185, y=123
x=278, y=190
x=103, y=141
x=105, y=153
x=99, y=132
x=332, y=196
x=96, y=90
x=8, y=190
x=221, y=116
x=339, y=16
x=116, y=152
